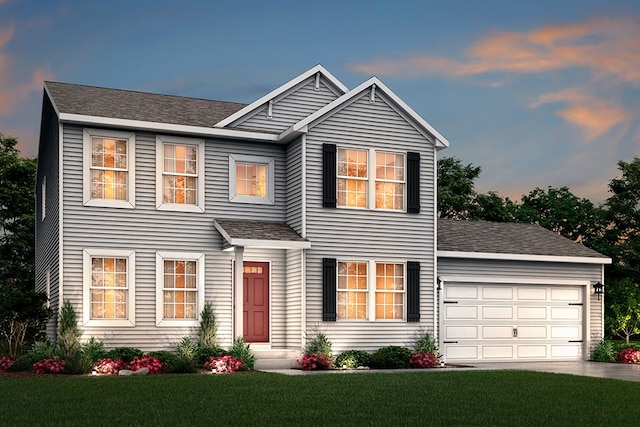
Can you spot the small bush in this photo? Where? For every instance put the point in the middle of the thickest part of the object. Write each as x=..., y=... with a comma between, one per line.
x=207, y=333
x=312, y=362
x=126, y=354
x=320, y=344
x=603, y=352
x=169, y=359
x=108, y=366
x=226, y=364
x=629, y=355
x=242, y=351
x=69, y=339
x=424, y=342
x=90, y=353
x=49, y=366
x=39, y=351
x=353, y=358
x=203, y=354
x=6, y=363
x=391, y=357
x=424, y=360
x=186, y=352
x=152, y=363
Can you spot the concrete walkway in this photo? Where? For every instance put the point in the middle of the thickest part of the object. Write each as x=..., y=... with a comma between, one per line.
x=617, y=371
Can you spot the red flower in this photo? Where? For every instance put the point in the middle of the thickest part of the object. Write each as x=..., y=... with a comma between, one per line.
x=48, y=366
x=6, y=363
x=424, y=360
x=311, y=362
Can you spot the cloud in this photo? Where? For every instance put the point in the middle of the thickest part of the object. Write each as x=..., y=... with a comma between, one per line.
x=594, y=116
x=606, y=46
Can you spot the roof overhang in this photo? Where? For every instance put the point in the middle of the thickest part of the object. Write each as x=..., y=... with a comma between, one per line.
x=523, y=257
x=286, y=237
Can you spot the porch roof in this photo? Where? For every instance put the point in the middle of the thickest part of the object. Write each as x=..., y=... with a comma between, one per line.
x=261, y=234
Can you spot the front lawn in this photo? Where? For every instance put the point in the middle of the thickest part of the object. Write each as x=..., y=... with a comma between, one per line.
x=403, y=398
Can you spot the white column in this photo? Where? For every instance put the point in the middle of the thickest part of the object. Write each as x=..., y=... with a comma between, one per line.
x=238, y=294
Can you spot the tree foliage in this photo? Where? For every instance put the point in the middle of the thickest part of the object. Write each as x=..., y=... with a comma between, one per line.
x=622, y=316
x=456, y=188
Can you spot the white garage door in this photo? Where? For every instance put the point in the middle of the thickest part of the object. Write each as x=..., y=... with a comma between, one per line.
x=511, y=322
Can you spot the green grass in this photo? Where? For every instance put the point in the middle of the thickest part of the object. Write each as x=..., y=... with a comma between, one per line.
x=412, y=398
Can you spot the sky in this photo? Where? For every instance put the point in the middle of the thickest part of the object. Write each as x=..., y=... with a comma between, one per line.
x=537, y=93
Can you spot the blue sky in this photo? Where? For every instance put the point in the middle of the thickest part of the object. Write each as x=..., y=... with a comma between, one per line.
x=538, y=94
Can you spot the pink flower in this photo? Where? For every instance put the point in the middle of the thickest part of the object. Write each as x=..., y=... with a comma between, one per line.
x=6, y=363
x=424, y=360
x=311, y=362
x=226, y=363
x=628, y=355
x=48, y=366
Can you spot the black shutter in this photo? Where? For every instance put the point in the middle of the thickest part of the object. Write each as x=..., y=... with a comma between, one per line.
x=329, y=175
x=413, y=291
x=413, y=182
x=329, y=290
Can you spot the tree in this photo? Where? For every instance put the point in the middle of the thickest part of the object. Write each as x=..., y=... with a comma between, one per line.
x=456, y=191
x=624, y=213
x=559, y=210
x=22, y=310
x=492, y=207
x=622, y=316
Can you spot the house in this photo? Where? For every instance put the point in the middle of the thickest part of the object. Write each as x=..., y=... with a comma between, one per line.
x=311, y=209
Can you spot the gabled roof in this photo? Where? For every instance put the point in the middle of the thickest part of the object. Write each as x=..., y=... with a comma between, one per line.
x=413, y=117
x=265, y=234
x=338, y=86
x=502, y=240
x=132, y=105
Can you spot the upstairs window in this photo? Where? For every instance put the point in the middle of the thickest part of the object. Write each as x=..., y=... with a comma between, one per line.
x=389, y=181
x=180, y=184
x=352, y=178
x=108, y=168
x=251, y=179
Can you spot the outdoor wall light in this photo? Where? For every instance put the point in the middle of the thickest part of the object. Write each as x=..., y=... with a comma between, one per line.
x=598, y=289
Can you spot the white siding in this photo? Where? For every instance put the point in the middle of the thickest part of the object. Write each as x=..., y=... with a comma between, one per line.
x=368, y=234
x=294, y=186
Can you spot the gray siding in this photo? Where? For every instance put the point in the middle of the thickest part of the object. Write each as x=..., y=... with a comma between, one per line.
x=147, y=230
x=294, y=186
x=533, y=270
x=293, y=296
x=290, y=107
x=48, y=231
x=368, y=234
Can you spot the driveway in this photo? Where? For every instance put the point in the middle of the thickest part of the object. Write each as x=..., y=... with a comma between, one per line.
x=616, y=371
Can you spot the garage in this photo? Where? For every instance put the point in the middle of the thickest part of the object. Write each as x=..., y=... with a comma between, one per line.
x=497, y=322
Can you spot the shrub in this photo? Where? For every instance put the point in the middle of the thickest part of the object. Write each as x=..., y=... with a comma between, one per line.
x=68, y=339
x=424, y=360
x=242, y=351
x=126, y=354
x=39, y=351
x=353, y=358
x=320, y=344
x=49, y=366
x=169, y=359
x=312, y=362
x=6, y=363
x=603, y=352
x=203, y=354
x=152, y=363
x=207, y=333
x=629, y=355
x=226, y=363
x=90, y=352
x=424, y=342
x=108, y=366
x=391, y=357
x=186, y=352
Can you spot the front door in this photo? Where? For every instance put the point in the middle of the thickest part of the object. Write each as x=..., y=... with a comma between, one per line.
x=256, y=301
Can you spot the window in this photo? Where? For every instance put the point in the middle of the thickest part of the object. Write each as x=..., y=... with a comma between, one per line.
x=251, y=179
x=109, y=176
x=352, y=178
x=179, y=288
x=109, y=287
x=180, y=165
x=362, y=296
x=43, y=198
x=389, y=181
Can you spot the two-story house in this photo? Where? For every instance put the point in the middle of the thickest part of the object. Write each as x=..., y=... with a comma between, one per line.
x=311, y=209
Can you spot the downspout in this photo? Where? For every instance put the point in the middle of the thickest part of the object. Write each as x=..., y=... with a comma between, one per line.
x=303, y=232
x=60, y=221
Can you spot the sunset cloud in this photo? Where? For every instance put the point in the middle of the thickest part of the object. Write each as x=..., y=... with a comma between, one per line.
x=594, y=116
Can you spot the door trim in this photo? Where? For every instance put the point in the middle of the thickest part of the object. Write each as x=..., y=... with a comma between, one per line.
x=270, y=263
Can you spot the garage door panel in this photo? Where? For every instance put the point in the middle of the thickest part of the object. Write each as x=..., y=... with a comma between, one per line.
x=499, y=293
x=493, y=312
x=461, y=332
x=511, y=322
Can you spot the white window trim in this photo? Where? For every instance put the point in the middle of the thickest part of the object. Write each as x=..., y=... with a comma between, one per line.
x=43, y=198
x=371, y=291
x=187, y=256
x=87, y=254
x=179, y=207
x=371, y=180
x=87, y=136
x=269, y=199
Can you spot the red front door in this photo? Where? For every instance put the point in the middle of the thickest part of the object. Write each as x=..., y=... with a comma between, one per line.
x=255, y=308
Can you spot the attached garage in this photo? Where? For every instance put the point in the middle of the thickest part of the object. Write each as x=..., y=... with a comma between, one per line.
x=515, y=292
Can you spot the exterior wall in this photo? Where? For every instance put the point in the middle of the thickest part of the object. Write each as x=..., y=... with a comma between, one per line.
x=292, y=326
x=294, y=186
x=290, y=107
x=147, y=230
x=48, y=231
x=368, y=234
x=535, y=270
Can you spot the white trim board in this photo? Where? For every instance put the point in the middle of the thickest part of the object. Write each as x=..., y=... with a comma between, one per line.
x=511, y=280
x=523, y=257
